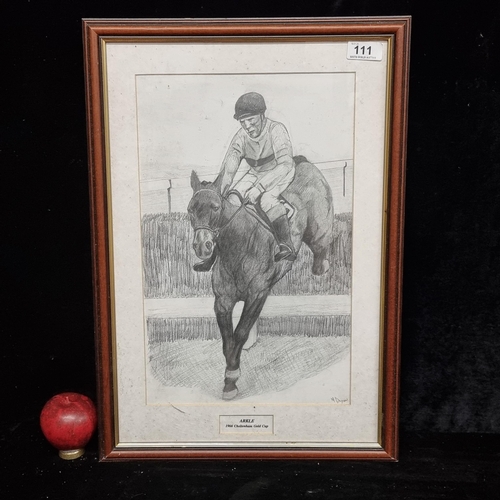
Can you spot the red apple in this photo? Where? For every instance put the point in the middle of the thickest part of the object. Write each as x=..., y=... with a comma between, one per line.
x=68, y=421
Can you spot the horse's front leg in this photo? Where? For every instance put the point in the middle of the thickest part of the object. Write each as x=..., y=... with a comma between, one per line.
x=224, y=306
x=251, y=311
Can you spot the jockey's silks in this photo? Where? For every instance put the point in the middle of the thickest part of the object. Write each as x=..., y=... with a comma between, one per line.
x=273, y=143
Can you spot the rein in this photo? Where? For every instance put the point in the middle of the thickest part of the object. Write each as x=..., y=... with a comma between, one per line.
x=259, y=218
x=215, y=231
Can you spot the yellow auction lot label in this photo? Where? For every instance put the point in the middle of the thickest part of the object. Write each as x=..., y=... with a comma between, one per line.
x=246, y=424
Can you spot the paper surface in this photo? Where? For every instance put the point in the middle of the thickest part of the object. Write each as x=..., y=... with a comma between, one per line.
x=170, y=110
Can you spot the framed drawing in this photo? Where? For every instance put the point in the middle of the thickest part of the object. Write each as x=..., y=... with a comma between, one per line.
x=247, y=184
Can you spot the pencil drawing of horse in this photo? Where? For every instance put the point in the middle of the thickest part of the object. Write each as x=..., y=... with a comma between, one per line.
x=245, y=269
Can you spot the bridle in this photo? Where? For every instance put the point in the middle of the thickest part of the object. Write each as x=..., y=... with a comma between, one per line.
x=223, y=199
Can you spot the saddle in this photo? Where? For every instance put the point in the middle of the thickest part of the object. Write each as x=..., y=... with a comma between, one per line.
x=258, y=213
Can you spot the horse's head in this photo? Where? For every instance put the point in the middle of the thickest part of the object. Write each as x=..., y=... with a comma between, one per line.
x=205, y=210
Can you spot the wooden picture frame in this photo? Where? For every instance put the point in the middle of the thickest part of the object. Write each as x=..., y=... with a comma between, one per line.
x=172, y=104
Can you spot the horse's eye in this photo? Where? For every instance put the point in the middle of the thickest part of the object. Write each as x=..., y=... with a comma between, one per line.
x=215, y=208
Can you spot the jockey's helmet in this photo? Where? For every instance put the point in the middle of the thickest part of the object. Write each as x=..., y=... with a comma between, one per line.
x=249, y=105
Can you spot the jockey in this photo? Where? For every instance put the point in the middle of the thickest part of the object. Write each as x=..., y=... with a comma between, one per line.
x=265, y=145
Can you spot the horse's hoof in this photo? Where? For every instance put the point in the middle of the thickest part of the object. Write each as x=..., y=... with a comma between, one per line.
x=252, y=339
x=230, y=390
x=322, y=268
x=249, y=344
x=227, y=395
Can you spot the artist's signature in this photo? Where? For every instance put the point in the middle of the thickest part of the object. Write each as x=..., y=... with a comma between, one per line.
x=338, y=400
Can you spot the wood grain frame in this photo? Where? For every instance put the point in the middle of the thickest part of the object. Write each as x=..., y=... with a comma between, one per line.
x=395, y=29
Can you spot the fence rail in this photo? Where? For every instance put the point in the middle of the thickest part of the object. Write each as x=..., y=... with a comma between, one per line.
x=166, y=195
x=300, y=305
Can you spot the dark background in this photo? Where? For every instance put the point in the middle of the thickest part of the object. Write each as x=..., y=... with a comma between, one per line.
x=450, y=385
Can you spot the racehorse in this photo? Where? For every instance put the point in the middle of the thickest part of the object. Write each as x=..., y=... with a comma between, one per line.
x=245, y=269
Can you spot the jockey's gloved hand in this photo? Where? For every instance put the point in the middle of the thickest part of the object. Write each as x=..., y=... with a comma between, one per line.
x=253, y=195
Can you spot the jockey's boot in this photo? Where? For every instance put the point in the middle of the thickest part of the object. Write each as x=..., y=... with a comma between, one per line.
x=206, y=265
x=282, y=231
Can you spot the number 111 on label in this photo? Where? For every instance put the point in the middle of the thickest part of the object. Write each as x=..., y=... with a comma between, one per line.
x=367, y=51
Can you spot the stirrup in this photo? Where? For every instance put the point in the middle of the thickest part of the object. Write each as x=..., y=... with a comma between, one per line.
x=285, y=253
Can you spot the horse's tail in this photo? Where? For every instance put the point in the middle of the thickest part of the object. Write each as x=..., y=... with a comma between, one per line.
x=300, y=159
